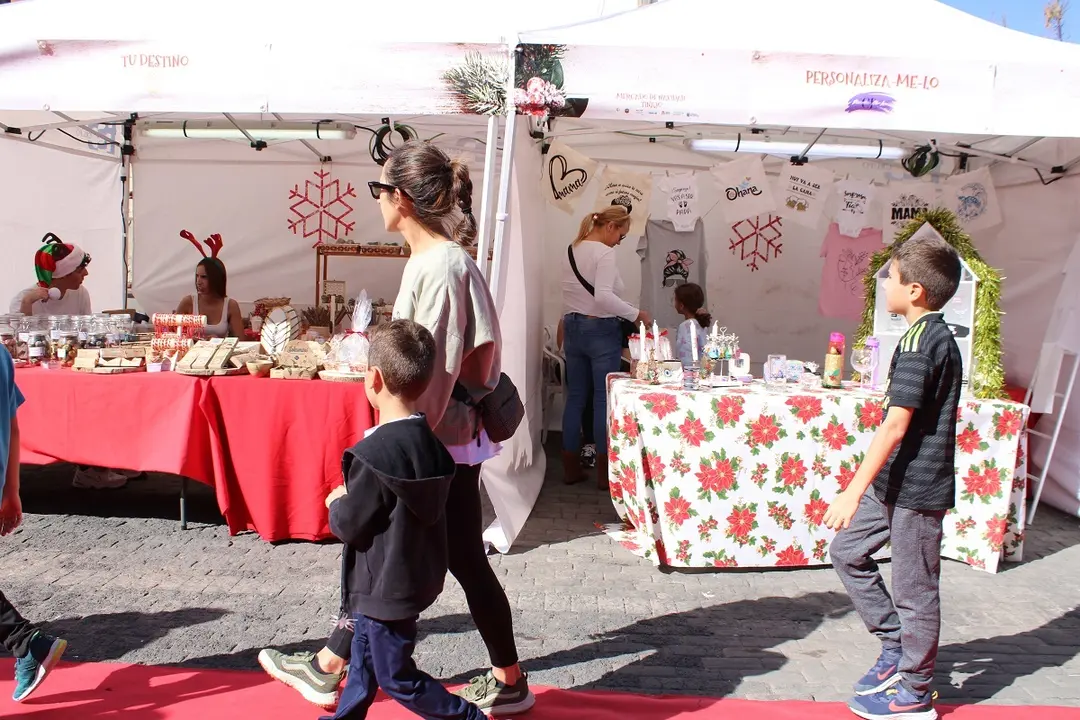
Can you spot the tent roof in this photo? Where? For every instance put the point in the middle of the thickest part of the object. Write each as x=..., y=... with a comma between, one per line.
x=869, y=28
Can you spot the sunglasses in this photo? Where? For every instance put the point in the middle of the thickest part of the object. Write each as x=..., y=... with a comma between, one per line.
x=378, y=188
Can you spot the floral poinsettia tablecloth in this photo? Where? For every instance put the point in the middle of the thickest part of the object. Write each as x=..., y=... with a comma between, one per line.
x=742, y=477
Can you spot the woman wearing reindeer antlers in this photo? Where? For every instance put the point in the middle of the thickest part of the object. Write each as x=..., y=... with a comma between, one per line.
x=223, y=317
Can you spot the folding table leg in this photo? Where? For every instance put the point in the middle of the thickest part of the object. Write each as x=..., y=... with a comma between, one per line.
x=183, y=503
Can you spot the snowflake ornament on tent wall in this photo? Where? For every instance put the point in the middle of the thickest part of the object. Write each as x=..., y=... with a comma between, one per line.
x=757, y=239
x=320, y=209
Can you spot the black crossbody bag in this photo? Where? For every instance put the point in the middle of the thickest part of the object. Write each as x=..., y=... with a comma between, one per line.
x=626, y=327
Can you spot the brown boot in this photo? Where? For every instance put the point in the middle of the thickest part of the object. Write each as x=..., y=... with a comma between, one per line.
x=571, y=465
x=601, y=471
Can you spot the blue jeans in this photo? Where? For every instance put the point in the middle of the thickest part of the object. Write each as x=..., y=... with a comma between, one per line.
x=382, y=658
x=593, y=348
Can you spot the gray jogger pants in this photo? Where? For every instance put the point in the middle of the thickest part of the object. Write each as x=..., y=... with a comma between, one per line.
x=911, y=617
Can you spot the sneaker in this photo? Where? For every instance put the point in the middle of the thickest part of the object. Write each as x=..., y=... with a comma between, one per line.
x=299, y=672
x=588, y=456
x=884, y=674
x=31, y=669
x=495, y=698
x=896, y=702
x=98, y=479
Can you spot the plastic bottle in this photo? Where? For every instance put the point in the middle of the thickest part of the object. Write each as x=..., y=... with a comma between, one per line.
x=874, y=346
x=833, y=373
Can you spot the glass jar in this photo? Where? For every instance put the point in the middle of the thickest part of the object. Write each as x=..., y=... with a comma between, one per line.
x=97, y=337
x=38, y=343
x=54, y=327
x=8, y=335
x=82, y=324
x=832, y=376
x=124, y=329
x=23, y=337
x=67, y=347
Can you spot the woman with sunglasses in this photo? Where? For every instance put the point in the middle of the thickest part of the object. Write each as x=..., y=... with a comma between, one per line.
x=427, y=198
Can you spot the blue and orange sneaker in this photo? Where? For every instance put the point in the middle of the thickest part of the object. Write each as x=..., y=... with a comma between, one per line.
x=884, y=674
x=31, y=669
x=895, y=703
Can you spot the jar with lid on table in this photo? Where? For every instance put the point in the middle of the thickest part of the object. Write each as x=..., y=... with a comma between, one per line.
x=22, y=328
x=67, y=347
x=37, y=342
x=123, y=328
x=9, y=335
x=82, y=324
x=97, y=337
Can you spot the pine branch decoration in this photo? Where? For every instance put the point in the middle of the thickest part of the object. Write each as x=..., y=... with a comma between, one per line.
x=479, y=85
x=988, y=376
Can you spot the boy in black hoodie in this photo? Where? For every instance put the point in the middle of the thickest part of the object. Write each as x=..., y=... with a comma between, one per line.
x=390, y=516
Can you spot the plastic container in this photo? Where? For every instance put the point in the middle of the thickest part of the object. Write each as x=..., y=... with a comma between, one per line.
x=874, y=347
x=833, y=373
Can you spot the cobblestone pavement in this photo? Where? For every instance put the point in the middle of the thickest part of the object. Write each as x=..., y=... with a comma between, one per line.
x=113, y=572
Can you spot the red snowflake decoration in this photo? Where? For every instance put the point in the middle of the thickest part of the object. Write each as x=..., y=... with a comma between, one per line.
x=754, y=240
x=321, y=209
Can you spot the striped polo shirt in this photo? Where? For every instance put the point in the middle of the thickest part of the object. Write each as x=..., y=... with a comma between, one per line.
x=925, y=376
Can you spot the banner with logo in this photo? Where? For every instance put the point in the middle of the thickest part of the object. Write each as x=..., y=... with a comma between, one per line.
x=803, y=192
x=853, y=211
x=902, y=201
x=566, y=175
x=630, y=189
x=972, y=197
x=745, y=190
x=682, y=200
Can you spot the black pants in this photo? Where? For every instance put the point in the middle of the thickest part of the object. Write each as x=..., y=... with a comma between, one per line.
x=15, y=631
x=468, y=563
x=382, y=657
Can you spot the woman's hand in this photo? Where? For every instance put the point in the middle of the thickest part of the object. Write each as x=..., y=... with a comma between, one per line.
x=643, y=316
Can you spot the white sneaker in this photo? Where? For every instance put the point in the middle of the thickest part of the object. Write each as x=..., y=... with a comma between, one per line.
x=98, y=479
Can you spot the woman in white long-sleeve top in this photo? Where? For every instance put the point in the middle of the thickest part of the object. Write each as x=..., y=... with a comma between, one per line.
x=592, y=326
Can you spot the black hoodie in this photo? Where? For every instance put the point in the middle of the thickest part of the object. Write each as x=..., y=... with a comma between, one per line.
x=392, y=520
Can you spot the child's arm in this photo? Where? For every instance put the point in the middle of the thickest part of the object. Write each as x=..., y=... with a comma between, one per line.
x=357, y=516
x=887, y=437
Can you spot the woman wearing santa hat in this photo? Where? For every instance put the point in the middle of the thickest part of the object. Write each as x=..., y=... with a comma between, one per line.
x=61, y=269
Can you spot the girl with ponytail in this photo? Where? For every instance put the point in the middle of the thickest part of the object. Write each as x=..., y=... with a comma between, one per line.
x=427, y=197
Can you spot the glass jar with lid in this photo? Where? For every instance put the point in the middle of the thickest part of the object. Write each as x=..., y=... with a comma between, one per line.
x=8, y=335
x=67, y=347
x=23, y=337
x=37, y=340
x=97, y=336
x=83, y=323
x=124, y=327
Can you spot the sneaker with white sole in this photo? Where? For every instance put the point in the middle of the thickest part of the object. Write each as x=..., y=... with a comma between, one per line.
x=32, y=668
x=496, y=698
x=299, y=672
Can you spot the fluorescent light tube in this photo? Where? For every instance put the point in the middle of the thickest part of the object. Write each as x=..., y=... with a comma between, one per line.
x=795, y=149
x=268, y=133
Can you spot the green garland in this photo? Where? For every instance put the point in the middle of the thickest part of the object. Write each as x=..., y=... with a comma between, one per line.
x=988, y=378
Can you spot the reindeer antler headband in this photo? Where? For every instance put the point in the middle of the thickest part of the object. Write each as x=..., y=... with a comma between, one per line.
x=214, y=242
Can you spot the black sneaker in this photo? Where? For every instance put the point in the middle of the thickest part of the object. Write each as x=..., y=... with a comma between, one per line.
x=495, y=698
x=588, y=456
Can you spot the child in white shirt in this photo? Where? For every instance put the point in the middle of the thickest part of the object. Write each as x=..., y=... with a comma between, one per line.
x=689, y=302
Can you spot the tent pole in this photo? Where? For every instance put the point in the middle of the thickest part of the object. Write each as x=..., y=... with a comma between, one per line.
x=501, y=215
x=486, y=195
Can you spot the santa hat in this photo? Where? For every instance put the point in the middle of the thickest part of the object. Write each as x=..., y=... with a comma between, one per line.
x=57, y=259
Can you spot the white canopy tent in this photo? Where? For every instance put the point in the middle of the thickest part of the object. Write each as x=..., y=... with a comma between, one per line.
x=904, y=75
x=76, y=72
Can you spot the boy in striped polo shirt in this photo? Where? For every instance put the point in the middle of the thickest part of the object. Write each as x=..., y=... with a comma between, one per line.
x=910, y=464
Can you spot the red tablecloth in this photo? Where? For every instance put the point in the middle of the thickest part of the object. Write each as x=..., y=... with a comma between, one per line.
x=136, y=421
x=270, y=448
x=277, y=448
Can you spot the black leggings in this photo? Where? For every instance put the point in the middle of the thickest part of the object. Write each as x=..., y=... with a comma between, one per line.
x=468, y=563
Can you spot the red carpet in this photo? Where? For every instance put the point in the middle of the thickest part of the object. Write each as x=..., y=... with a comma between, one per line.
x=90, y=691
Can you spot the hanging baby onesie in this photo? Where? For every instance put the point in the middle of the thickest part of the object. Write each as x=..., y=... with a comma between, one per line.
x=972, y=197
x=903, y=201
x=668, y=259
x=855, y=198
x=803, y=191
x=847, y=261
x=745, y=190
x=682, y=200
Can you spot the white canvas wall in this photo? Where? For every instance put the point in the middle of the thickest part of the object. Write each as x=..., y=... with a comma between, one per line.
x=228, y=188
x=75, y=196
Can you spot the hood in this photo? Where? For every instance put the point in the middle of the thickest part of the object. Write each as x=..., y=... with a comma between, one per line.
x=401, y=449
